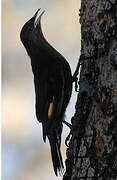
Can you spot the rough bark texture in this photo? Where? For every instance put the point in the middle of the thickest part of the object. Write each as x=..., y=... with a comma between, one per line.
x=92, y=152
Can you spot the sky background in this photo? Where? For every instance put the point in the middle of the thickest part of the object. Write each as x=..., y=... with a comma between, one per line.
x=24, y=154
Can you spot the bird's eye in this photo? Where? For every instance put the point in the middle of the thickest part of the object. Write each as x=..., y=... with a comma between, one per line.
x=29, y=28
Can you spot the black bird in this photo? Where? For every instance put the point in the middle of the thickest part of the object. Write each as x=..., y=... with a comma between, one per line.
x=53, y=85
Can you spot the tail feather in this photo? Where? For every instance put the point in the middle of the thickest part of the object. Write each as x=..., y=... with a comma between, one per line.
x=44, y=132
x=56, y=155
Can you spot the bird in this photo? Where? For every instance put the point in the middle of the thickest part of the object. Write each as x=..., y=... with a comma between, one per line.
x=53, y=85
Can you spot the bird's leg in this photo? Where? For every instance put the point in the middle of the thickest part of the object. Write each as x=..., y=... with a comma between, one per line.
x=74, y=77
x=67, y=124
x=68, y=137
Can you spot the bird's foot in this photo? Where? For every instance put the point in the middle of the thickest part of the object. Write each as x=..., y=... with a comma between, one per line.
x=74, y=77
x=69, y=135
x=68, y=139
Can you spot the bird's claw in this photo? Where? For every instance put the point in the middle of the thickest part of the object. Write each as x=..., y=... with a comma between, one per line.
x=75, y=78
x=67, y=139
x=76, y=84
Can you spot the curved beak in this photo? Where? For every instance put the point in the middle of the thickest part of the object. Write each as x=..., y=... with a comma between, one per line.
x=37, y=20
x=36, y=13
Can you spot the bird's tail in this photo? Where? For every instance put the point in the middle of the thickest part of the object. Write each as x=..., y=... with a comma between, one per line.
x=55, y=153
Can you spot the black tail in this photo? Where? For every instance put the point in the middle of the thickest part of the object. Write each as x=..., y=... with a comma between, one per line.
x=56, y=154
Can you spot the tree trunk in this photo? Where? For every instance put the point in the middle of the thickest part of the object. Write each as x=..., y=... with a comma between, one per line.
x=92, y=152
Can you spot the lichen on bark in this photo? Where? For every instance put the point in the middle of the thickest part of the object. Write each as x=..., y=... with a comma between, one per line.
x=92, y=152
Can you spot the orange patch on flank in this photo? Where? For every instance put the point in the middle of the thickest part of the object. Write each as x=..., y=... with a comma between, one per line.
x=50, y=110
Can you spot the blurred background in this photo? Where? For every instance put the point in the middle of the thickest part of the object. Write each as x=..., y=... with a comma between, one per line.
x=24, y=154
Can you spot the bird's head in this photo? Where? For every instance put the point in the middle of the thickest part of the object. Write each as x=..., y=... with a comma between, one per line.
x=31, y=31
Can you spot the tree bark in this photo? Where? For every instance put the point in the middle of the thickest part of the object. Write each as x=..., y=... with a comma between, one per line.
x=92, y=152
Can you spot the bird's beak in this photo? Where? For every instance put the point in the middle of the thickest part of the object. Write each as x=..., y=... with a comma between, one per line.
x=37, y=20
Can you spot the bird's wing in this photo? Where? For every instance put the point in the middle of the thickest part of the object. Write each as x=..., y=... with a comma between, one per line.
x=49, y=97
